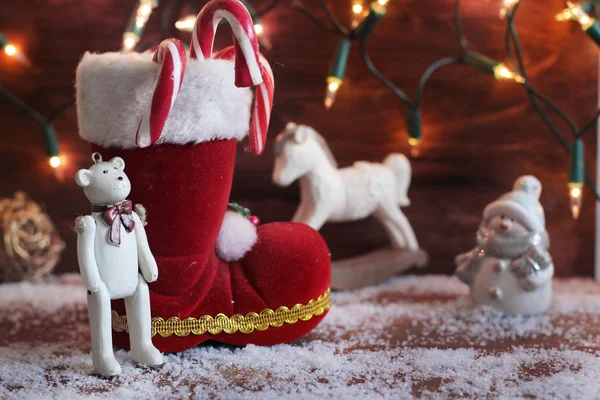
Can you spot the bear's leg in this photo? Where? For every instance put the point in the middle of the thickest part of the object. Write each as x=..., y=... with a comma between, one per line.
x=103, y=357
x=139, y=322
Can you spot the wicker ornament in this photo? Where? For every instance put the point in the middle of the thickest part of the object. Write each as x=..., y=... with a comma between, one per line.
x=31, y=246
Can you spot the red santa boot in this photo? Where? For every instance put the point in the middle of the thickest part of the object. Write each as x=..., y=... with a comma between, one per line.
x=176, y=121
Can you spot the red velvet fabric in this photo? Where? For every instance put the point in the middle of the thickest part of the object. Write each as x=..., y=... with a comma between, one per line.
x=185, y=190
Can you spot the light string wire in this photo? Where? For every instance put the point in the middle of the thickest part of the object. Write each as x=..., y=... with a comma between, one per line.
x=514, y=54
x=513, y=51
x=46, y=123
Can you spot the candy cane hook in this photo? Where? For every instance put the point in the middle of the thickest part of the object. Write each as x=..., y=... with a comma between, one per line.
x=247, y=65
x=171, y=55
x=263, y=102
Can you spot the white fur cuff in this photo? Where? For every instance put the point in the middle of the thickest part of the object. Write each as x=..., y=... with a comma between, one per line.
x=236, y=238
x=114, y=89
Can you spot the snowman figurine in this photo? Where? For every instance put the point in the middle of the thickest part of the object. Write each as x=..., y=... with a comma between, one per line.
x=510, y=268
x=112, y=249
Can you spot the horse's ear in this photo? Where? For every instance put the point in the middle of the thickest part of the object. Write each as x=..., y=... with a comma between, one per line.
x=301, y=135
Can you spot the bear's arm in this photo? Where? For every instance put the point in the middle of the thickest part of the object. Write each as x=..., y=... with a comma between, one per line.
x=86, y=234
x=147, y=262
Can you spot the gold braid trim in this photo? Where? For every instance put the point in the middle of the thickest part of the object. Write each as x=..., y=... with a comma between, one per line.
x=267, y=318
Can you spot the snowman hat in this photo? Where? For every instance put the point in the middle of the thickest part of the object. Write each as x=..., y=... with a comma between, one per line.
x=521, y=204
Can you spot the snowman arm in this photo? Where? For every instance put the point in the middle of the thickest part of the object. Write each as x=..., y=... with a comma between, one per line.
x=539, y=278
x=147, y=262
x=86, y=235
x=534, y=269
x=464, y=258
x=467, y=267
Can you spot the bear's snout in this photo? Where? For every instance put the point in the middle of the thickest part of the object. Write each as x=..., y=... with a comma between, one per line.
x=120, y=178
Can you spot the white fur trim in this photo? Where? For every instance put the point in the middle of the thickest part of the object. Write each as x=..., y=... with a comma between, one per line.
x=113, y=91
x=236, y=238
x=513, y=210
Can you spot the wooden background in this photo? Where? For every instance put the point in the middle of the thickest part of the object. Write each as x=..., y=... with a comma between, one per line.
x=479, y=134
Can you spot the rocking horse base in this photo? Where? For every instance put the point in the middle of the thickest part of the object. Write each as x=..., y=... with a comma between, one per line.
x=374, y=267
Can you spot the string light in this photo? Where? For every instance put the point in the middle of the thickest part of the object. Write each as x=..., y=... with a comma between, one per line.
x=578, y=14
x=501, y=71
x=495, y=68
x=567, y=15
x=507, y=7
x=55, y=161
x=576, y=177
x=51, y=145
x=564, y=15
x=258, y=28
x=362, y=30
x=12, y=51
x=588, y=24
x=376, y=12
x=358, y=12
x=413, y=123
x=338, y=70
x=333, y=85
x=137, y=24
x=186, y=24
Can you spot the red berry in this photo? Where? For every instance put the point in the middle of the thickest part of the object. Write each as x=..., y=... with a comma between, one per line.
x=254, y=220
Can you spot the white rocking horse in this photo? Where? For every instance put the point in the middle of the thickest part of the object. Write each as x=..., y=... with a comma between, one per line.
x=329, y=194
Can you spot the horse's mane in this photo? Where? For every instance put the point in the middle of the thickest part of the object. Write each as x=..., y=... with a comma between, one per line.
x=321, y=141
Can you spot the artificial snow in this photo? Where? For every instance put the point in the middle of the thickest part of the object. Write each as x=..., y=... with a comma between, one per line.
x=409, y=337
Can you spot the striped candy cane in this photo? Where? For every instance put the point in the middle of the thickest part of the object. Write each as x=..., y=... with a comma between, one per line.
x=247, y=65
x=263, y=102
x=171, y=55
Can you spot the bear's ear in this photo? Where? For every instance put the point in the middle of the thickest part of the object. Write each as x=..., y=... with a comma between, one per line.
x=117, y=162
x=83, y=177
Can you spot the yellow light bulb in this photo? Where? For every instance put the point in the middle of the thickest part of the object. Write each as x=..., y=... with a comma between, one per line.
x=414, y=145
x=501, y=71
x=55, y=161
x=186, y=24
x=382, y=2
x=10, y=50
x=507, y=6
x=580, y=15
x=358, y=12
x=333, y=85
x=145, y=9
x=575, y=197
x=130, y=39
x=564, y=15
x=258, y=28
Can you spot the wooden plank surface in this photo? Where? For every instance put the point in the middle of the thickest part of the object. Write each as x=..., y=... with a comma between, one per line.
x=409, y=337
x=479, y=134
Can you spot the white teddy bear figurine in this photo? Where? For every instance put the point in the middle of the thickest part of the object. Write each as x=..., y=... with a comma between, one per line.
x=111, y=244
